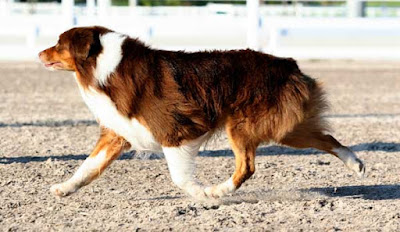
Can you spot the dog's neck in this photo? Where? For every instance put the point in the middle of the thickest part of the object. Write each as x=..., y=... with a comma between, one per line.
x=110, y=57
x=117, y=51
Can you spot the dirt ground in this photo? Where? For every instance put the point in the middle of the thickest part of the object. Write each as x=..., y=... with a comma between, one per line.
x=46, y=132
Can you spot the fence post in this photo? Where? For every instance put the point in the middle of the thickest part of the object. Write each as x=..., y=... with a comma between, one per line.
x=273, y=39
x=355, y=8
x=4, y=7
x=133, y=2
x=90, y=7
x=32, y=36
x=103, y=10
x=67, y=8
x=253, y=24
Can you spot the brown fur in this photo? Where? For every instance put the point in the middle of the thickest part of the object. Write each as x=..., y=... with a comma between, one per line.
x=113, y=144
x=180, y=96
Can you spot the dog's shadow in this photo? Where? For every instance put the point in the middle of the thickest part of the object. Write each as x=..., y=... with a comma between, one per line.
x=281, y=150
x=366, y=192
x=262, y=151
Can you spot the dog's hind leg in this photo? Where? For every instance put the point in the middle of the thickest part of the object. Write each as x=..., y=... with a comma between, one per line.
x=108, y=148
x=323, y=142
x=244, y=147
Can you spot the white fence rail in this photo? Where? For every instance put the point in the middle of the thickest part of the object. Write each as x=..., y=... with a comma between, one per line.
x=22, y=35
x=344, y=38
x=332, y=8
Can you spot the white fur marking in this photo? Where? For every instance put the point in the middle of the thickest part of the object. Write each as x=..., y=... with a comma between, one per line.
x=350, y=160
x=89, y=167
x=181, y=164
x=105, y=111
x=110, y=57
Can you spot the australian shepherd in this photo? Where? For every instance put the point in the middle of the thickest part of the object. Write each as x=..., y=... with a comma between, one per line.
x=171, y=102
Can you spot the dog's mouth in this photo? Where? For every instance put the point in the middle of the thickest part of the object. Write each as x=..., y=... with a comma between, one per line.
x=53, y=65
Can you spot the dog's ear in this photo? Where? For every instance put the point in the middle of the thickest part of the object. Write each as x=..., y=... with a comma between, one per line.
x=85, y=43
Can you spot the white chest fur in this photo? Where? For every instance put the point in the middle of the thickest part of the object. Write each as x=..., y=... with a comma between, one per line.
x=105, y=111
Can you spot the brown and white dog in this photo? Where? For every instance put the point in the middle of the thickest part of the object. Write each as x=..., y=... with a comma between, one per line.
x=171, y=102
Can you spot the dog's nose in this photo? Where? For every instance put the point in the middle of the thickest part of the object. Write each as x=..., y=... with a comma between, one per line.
x=40, y=54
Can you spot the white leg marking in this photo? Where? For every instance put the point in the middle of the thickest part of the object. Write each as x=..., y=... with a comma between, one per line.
x=91, y=166
x=110, y=57
x=350, y=160
x=181, y=165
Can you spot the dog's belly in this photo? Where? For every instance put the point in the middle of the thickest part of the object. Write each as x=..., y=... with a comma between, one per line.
x=105, y=111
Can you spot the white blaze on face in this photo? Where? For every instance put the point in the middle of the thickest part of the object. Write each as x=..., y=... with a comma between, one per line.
x=110, y=57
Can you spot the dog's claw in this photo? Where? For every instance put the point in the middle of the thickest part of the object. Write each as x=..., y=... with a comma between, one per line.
x=361, y=169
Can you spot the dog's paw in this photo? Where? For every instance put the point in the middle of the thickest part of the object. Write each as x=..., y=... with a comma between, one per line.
x=214, y=192
x=350, y=160
x=195, y=190
x=61, y=190
x=359, y=168
x=220, y=190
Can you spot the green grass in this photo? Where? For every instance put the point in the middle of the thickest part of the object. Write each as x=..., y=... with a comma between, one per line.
x=119, y=2
x=387, y=4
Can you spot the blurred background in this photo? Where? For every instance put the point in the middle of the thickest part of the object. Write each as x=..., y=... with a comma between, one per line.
x=303, y=29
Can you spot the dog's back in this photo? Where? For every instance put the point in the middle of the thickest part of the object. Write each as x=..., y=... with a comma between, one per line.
x=206, y=88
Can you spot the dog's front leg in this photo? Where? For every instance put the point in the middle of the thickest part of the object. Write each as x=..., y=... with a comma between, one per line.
x=108, y=148
x=181, y=165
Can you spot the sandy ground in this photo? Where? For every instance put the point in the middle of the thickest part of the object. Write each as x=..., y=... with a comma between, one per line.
x=46, y=132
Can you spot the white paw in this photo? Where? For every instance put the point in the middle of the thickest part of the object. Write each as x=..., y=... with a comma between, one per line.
x=195, y=190
x=350, y=159
x=62, y=190
x=358, y=167
x=214, y=192
x=220, y=190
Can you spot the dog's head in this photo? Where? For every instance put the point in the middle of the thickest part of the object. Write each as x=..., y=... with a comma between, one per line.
x=75, y=47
